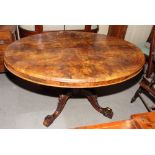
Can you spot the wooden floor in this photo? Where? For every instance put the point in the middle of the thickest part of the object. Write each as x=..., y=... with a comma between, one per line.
x=137, y=121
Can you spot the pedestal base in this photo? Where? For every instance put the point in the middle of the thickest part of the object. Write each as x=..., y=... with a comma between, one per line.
x=89, y=94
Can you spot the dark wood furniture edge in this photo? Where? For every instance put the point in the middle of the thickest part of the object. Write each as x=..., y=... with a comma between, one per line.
x=151, y=34
x=145, y=85
x=151, y=55
x=62, y=84
x=136, y=121
x=118, y=31
x=8, y=34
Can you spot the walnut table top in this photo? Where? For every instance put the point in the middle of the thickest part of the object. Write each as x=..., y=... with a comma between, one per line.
x=73, y=59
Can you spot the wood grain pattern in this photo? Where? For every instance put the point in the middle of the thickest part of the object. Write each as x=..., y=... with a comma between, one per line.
x=144, y=120
x=7, y=36
x=118, y=31
x=126, y=124
x=137, y=121
x=10, y=28
x=2, y=49
x=73, y=59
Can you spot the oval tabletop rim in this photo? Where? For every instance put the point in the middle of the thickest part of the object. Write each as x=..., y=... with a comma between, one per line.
x=68, y=82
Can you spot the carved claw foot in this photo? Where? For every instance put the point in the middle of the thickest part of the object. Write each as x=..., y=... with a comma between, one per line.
x=48, y=120
x=107, y=112
x=62, y=101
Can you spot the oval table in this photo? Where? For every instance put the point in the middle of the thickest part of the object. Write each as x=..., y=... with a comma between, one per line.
x=74, y=60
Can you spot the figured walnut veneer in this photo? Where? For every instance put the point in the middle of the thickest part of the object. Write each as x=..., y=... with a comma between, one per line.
x=73, y=59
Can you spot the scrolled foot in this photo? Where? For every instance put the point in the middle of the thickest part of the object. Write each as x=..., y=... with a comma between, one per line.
x=62, y=101
x=48, y=120
x=107, y=112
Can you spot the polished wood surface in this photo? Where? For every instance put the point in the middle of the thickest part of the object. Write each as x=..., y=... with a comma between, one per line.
x=126, y=124
x=74, y=59
x=11, y=28
x=2, y=49
x=137, y=121
x=7, y=36
x=144, y=120
x=118, y=31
